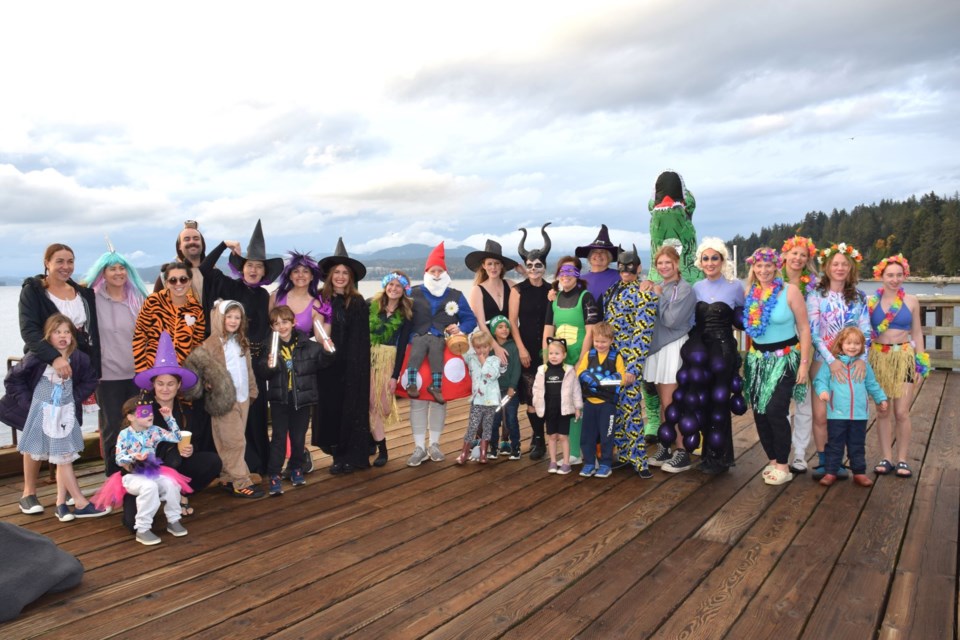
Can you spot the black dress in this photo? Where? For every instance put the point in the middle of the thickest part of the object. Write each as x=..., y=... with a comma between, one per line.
x=341, y=425
x=530, y=317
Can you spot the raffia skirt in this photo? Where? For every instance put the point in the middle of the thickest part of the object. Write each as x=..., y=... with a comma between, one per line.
x=893, y=365
x=382, y=358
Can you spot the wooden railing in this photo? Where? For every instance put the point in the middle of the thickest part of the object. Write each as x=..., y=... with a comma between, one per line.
x=943, y=355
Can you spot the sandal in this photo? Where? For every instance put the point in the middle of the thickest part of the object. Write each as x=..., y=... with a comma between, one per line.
x=883, y=468
x=778, y=477
x=185, y=508
x=903, y=470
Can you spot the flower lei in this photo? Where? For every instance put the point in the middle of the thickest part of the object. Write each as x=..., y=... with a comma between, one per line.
x=874, y=301
x=886, y=262
x=757, y=310
x=808, y=281
x=835, y=248
x=382, y=331
x=922, y=363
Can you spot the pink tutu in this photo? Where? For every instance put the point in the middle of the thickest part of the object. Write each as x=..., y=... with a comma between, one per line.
x=112, y=492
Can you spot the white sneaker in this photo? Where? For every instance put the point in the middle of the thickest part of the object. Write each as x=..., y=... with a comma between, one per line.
x=799, y=465
x=575, y=460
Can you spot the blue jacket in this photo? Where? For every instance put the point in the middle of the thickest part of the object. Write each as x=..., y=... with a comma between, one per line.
x=848, y=400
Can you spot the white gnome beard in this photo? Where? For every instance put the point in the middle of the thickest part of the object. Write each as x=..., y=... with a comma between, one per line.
x=436, y=286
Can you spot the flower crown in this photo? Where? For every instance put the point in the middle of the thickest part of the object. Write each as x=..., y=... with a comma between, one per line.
x=834, y=249
x=886, y=262
x=765, y=255
x=799, y=241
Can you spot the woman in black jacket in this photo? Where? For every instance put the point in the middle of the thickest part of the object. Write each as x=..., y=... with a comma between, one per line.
x=292, y=391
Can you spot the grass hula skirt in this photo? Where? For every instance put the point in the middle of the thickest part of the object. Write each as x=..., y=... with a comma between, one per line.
x=382, y=357
x=893, y=365
x=762, y=372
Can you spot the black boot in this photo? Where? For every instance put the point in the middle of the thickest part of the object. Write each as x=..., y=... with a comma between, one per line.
x=382, y=449
x=538, y=448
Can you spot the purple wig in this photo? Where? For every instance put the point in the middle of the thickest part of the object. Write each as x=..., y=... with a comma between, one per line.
x=296, y=259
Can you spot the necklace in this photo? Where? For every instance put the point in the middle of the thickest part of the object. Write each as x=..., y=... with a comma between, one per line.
x=895, y=307
x=757, y=310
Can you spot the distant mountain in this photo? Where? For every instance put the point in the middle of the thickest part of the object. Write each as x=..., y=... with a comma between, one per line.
x=413, y=251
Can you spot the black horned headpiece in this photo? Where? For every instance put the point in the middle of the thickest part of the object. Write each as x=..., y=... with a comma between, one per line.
x=533, y=254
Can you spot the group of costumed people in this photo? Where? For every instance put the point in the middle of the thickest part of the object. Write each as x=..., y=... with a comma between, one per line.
x=210, y=351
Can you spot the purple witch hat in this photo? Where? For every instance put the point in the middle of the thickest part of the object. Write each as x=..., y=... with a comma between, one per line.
x=165, y=362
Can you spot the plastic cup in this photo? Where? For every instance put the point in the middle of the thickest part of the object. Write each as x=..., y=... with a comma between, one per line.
x=184, y=439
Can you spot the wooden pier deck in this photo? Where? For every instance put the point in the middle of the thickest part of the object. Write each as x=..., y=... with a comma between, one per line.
x=506, y=550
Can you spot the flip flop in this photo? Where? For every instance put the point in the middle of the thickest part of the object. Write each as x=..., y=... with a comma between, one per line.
x=901, y=468
x=185, y=509
x=883, y=468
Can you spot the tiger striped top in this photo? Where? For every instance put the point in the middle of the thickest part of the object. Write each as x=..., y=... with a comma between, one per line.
x=185, y=324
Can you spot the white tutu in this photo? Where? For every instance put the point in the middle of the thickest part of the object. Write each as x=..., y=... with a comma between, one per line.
x=661, y=367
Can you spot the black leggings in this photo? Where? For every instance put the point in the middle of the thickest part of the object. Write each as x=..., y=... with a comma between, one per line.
x=773, y=426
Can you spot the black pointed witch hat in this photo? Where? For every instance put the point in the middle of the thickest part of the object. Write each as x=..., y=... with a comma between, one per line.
x=257, y=250
x=602, y=242
x=340, y=257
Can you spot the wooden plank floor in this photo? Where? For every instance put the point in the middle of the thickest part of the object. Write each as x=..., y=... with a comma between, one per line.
x=507, y=550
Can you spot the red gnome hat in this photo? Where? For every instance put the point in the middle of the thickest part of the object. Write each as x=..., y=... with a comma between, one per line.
x=436, y=258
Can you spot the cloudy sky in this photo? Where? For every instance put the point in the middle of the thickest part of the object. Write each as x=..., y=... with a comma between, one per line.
x=389, y=122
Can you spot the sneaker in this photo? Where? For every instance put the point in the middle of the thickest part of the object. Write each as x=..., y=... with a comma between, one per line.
x=799, y=465
x=148, y=538
x=90, y=511
x=505, y=449
x=252, y=492
x=296, y=477
x=564, y=470
x=64, y=514
x=514, y=453
x=645, y=474
x=662, y=455
x=603, y=471
x=575, y=460
x=419, y=455
x=276, y=486
x=552, y=467
x=434, y=452
x=492, y=452
x=678, y=463
x=30, y=505
x=588, y=470
x=176, y=529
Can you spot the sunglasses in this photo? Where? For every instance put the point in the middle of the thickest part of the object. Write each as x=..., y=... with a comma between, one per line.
x=178, y=279
x=713, y=258
x=535, y=265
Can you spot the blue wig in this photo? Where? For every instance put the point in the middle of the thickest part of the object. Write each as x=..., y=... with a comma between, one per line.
x=134, y=287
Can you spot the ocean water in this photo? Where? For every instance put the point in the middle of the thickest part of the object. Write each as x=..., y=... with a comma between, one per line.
x=12, y=345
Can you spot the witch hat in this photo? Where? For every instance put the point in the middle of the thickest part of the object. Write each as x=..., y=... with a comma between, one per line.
x=602, y=242
x=257, y=250
x=491, y=249
x=165, y=362
x=340, y=257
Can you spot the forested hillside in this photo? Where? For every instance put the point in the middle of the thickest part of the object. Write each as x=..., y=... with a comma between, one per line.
x=925, y=230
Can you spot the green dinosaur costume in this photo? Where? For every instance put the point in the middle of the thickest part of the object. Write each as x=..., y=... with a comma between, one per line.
x=671, y=222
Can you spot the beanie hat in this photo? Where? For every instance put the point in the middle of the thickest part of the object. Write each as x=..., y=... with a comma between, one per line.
x=436, y=258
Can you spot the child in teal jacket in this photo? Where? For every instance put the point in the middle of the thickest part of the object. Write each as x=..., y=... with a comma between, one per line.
x=847, y=407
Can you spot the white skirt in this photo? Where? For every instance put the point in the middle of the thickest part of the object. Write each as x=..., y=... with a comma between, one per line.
x=661, y=367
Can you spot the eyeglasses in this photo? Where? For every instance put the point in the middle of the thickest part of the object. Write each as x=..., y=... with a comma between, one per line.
x=178, y=279
x=535, y=265
x=713, y=258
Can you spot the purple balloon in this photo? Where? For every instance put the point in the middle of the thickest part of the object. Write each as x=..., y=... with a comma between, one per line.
x=736, y=385
x=738, y=405
x=691, y=442
x=716, y=440
x=704, y=397
x=688, y=424
x=672, y=413
x=683, y=376
x=678, y=396
x=701, y=418
x=720, y=395
x=717, y=416
x=667, y=434
x=697, y=353
x=692, y=399
x=697, y=375
x=718, y=364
